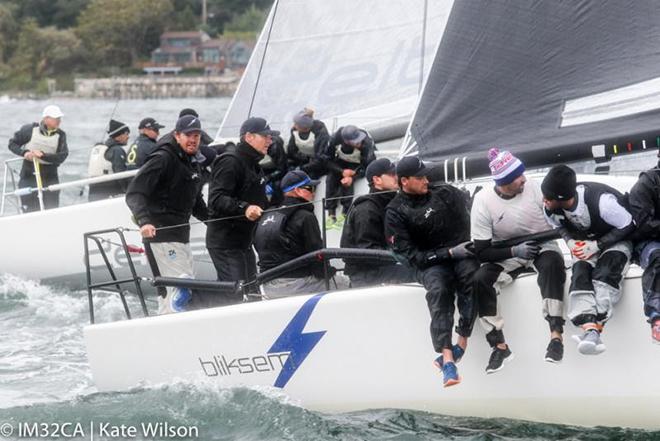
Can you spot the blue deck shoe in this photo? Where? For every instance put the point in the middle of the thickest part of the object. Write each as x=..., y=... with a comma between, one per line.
x=180, y=299
x=450, y=375
x=456, y=351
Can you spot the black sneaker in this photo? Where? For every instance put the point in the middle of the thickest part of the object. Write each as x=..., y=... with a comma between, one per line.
x=555, y=351
x=497, y=359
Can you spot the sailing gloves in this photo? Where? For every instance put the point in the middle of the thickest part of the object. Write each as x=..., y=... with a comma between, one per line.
x=583, y=249
x=462, y=251
x=526, y=250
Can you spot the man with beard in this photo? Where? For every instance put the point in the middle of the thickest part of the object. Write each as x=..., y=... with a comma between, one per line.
x=162, y=196
x=511, y=208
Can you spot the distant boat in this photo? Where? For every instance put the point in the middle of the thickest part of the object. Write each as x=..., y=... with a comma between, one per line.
x=552, y=81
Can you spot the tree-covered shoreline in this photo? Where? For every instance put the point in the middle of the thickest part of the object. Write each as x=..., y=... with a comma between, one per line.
x=64, y=39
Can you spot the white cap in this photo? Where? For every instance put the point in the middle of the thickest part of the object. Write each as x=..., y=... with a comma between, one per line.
x=52, y=111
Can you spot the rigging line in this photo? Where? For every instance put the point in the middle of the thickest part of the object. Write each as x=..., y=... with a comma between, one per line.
x=263, y=57
x=270, y=210
x=423, y=44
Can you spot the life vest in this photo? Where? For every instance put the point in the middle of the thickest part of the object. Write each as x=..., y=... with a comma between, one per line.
x=306, y=146
x=353, y=157
x=45, y=143
x=272, y=245
x=98, y=165
x=594, y=227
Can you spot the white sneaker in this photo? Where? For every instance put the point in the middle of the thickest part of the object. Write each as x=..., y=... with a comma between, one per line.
x=590, y=343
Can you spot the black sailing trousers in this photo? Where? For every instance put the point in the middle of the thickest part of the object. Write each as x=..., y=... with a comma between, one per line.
x=232, y=265
x=551, y=278
x=650, y=262
x=334, y=189
x=445, y=283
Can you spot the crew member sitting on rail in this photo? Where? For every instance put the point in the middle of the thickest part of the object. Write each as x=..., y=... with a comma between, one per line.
x=365, y=228
x=307, y=143
x=107, y=158
x=289, y=232
x=645, y=208
x=46, y=142
x=162, y=196
x=511, y=208
x=431, y=230
x=595, y=223
x=349, y=152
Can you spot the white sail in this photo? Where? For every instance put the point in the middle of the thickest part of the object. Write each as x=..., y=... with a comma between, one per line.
x=353, y=62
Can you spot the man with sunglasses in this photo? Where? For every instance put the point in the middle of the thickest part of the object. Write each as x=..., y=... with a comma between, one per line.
x=237, y=198
x=430, y=228
x=145, y=143
x=289, y=232
x=365, y=228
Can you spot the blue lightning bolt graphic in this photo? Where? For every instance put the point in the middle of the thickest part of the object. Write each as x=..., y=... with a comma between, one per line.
x=295, y=342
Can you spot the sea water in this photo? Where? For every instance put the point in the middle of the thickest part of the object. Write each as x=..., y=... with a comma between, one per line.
x=46, y=388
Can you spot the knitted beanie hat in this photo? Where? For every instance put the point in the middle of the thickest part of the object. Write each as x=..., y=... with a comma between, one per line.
x=504, y=167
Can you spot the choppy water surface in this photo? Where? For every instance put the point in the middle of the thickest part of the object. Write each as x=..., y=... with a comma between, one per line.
x=45, y=378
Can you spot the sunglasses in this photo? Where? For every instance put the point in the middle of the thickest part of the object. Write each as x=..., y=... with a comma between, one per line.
x=308, y=188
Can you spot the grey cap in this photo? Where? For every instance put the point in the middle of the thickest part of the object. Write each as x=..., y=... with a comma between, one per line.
x=352, y=134
x=303, y=120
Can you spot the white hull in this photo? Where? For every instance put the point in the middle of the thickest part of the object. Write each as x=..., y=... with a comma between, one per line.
x=375, y=352
x=47, y=246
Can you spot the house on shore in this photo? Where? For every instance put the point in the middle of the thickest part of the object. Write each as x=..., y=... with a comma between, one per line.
x=195, y=50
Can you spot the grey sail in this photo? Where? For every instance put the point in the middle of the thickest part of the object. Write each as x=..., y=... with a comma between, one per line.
x=553, y=81
x=353, y=62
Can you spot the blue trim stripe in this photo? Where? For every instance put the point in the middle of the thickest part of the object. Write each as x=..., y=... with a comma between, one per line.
x=299, y=184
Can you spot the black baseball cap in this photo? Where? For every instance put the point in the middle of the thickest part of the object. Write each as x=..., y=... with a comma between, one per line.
x=150, y=123
x=295, y=179
x=379, y=167
x=411, y=166
x=187, y=124
x=257, y=126
x=188, y=111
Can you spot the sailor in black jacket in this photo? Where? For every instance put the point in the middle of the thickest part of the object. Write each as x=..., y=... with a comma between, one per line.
x=595, y=223
x=431, y=230
x=164, y=194
x=144, y=144
x=645, y=208
x=274, y=165
x=307, y=143
x=290, y=232
x=237, y=195
x=365, y=228
x=46, y=142
x=349, y=152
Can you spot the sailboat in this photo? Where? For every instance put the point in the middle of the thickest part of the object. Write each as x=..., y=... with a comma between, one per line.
x=352, y=81
x=553, y=82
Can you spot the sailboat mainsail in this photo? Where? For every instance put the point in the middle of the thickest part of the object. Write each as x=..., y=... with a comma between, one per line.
x=551, y=81
x=354, y=62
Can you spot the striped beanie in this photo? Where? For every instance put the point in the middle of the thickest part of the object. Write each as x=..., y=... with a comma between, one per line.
x=504, y=167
